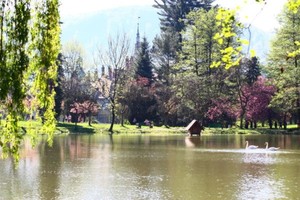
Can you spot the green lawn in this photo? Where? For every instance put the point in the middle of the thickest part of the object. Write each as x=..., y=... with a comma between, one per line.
x=84, y=128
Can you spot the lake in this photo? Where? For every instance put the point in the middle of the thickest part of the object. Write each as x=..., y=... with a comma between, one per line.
x=154, y=167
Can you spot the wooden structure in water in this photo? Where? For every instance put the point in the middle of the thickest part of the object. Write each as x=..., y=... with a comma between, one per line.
x=194, y=128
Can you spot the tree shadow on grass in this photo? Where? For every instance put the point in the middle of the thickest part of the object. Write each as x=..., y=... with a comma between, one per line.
x=76, y=129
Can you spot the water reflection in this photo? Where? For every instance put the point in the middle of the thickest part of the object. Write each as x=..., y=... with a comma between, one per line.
x=191, y=141
x=154, y=167
x=258, y=178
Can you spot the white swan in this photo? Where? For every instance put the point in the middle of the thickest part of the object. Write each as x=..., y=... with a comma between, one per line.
x=250, y=146
x=271, y=148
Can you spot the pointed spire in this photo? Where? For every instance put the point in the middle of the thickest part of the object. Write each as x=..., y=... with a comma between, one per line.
x=138, y=42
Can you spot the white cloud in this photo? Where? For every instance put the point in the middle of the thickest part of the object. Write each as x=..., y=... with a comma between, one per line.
x=262, y=16
x=79, y=8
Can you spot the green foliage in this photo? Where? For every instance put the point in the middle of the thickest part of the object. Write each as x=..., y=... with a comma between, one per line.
x=21, y=61
x=144, y=64
x=15, y=18
x=252, y=70
x=59, y=87
x=164, y=56
x=293, y=5
x=199, y=48
x=227, y=35
x=283, y=68
x=164, y=59
x=174, y=14
x=46, y=39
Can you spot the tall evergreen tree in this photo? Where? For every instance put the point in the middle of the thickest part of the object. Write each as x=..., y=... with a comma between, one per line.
x=173, y=13
x=164, y=59
x=144, y=66
x=253, y=70
x=164, y=56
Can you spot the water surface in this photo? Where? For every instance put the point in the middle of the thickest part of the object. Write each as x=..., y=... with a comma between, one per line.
x=154, y=167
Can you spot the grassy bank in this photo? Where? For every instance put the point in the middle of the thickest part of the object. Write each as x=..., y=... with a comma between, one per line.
x=84, y=128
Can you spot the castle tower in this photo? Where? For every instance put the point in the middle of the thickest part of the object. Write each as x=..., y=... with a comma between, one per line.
x=138, y=42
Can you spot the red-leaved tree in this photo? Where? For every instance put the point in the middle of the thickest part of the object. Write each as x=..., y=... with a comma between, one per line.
x=87, y=108
x=258, y=97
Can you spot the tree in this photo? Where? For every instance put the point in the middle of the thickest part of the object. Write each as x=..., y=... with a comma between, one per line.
x=115, y=57
x=144, y=66
x=164, y=57
x=197, y=82
x=199, y=48
x=283, y=69
x=253, y=70
x=222, y=110
x=22, y=59
x=46, y=39
x=258, y=96
x=140, y=99
x=14, y=62
x=88, y=108
x=74, y=86
x=173, y=13
x=59, y=87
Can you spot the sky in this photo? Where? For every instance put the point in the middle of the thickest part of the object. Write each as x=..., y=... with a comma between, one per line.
x=260, y=15
x=92, y=22
x=76, y=8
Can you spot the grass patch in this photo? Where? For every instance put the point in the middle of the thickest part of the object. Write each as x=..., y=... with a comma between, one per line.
x=80, y=128
x=84, y=128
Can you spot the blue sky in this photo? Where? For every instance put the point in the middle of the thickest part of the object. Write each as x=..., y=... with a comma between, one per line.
x=95, y=29
x=92, y=22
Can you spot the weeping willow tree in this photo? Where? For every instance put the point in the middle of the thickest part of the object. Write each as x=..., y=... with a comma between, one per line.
x=29, y=46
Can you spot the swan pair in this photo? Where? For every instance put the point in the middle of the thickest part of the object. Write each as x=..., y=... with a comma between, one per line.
x=255, y=147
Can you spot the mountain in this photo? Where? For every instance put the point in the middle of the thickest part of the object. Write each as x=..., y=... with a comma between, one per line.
x=94, y=30
x=259, y=42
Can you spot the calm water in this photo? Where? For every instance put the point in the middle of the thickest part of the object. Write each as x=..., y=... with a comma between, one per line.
x=154, y=167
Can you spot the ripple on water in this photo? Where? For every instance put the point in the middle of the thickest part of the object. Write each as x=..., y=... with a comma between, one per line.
x=263, y=187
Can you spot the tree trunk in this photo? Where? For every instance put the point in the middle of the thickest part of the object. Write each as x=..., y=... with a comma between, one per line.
x=270, y=123
x=284, y=121
x=90, y=118
x=112, y=119
x=241, y=122
x=122, y=118
x=298, y=112
x=242, y=118
x=76, y=120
